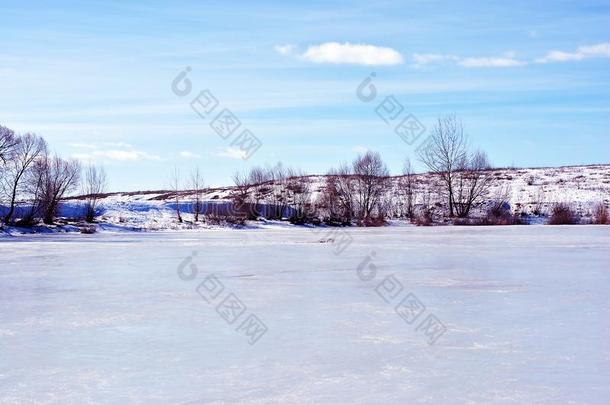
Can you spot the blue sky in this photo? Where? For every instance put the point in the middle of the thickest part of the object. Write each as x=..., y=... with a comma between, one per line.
x=528, y=79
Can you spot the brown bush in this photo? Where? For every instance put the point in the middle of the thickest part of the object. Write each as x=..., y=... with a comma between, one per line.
x=224, y=220
x=88, y=229
x=600, y=215
x=423, y=219
x=562, y=214
x=372, y=222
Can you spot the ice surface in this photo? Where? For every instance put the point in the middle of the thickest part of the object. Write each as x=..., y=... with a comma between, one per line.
x=105, y=318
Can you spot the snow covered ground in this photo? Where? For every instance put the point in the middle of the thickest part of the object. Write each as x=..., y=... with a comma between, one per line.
x=523, y=316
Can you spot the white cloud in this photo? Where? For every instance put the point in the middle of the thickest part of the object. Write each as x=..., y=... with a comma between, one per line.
x=583, y=52
x=115, y=154
x=421, y=59
x=285, y=50
x=125, y=155
x=490, y=62
x=232, y=153
x=100, y=145
x=189, y=155
x=505, y=60
x=346, y=53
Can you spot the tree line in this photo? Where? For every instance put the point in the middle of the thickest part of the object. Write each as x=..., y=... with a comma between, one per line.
x=33, y=180
x=362, y=192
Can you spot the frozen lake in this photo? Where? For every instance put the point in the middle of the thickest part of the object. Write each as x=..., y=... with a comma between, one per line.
x=471, y=315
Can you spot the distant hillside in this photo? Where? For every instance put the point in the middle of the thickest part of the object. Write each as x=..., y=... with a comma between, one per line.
x=530, y=192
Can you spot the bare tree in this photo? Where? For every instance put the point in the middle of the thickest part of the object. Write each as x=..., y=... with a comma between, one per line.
x=408, y=187
x=8, y=142
x=280, y=194
x=51, y=179
x=93, y=188
x=371, y=182
x=472, y=183
x=446, y=153
x=197, y=185
x=259, y=179
x=600, y=214
x=175, y=187
x=29, y=148
x=241, y=193
x=338, y=195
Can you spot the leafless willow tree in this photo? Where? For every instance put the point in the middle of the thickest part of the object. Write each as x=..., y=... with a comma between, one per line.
x=175, y=184
x=408, y=187
x=357, y=192
x=259, y=179
x=371, y=178
x=28, y=148
x=93, y=188
x=446, y=153
x=472, y=183
x=338, y=195
x=197, y=184
x=50, y=180
x=8, y=142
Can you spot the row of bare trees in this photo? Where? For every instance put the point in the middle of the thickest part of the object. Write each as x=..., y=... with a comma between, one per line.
x=357, y=191
x=362, y=192
x=276, y=192
x=285, y=192
x=31, y=176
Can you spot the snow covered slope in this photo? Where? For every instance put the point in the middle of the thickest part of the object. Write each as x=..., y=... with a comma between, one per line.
x=530, y=191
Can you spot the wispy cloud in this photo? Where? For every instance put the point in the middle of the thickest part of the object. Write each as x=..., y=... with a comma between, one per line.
x=422, y=59
x=285, y=49
x=509, y=59
x=232, y=153
x=601, y=50
x=494, y=62
x=346, y=53
x=189, y=155
x=120, y=152
x=119, y=155
x=506, y=60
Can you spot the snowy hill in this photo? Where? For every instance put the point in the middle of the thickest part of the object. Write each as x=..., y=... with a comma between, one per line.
x=531, y=192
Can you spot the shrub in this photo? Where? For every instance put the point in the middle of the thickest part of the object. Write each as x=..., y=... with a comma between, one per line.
x=88, y=229
x=600, y=215
x=223, y=220
x=423, y=218
x=562, y=214
x=372, y=222
x=490, y=220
